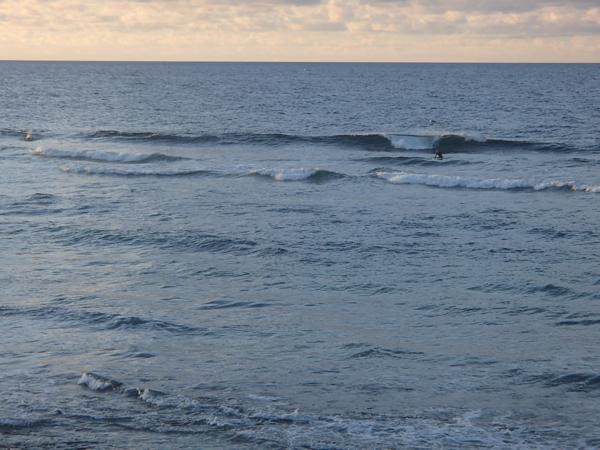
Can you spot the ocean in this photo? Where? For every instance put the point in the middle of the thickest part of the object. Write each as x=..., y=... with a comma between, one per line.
x=255, y=256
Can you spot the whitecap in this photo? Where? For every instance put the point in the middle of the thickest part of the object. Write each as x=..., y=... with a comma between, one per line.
x=97, y=382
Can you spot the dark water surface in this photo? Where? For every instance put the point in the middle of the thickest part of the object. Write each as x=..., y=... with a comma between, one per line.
x=268, y=256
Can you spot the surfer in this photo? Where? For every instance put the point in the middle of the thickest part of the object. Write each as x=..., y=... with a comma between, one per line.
x=438, y=154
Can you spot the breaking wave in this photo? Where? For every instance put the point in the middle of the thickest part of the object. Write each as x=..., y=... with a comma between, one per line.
x=298, y=174
x=98, y=383
x=447, y=142
x=104, y=156
x=448, y=181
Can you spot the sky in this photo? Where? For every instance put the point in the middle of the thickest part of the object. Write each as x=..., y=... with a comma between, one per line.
x=302, y=30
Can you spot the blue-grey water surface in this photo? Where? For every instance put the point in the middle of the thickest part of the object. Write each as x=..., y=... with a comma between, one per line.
x=267, y=256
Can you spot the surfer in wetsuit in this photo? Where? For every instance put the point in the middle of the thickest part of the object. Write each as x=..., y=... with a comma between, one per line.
x=438, y=154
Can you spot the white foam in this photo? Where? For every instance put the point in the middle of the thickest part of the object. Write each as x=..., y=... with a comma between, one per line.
x=289, y=174
x=96, y=383
x=296, y=430
x=96, y=155
x=461, y=432
x=449, y=181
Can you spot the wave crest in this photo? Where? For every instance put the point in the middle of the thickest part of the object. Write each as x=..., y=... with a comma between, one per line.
x=148, y=136
x=386, y=141
x=113, y=171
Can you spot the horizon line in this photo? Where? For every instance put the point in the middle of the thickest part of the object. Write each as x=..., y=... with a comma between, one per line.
x=283, y=61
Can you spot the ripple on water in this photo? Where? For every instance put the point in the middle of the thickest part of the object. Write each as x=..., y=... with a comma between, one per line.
x=100, y=320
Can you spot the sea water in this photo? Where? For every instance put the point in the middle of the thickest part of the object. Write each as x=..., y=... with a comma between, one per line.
x=268, y=256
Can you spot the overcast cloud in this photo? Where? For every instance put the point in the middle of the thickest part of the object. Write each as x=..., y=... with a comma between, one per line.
x=506, y=30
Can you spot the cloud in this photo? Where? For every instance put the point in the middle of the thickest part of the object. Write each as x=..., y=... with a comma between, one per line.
x=441, y=6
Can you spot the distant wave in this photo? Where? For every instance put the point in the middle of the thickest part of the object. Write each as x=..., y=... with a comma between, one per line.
x=103, y=156
x=582, y=382
x=11, y=132
x=227, y=304
x=175, y=240
x=447, y=181
x=367, y=351
x=22, y=423
x=286, y=174
x=142, y=172
x=39, y=198
x=447, y=142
